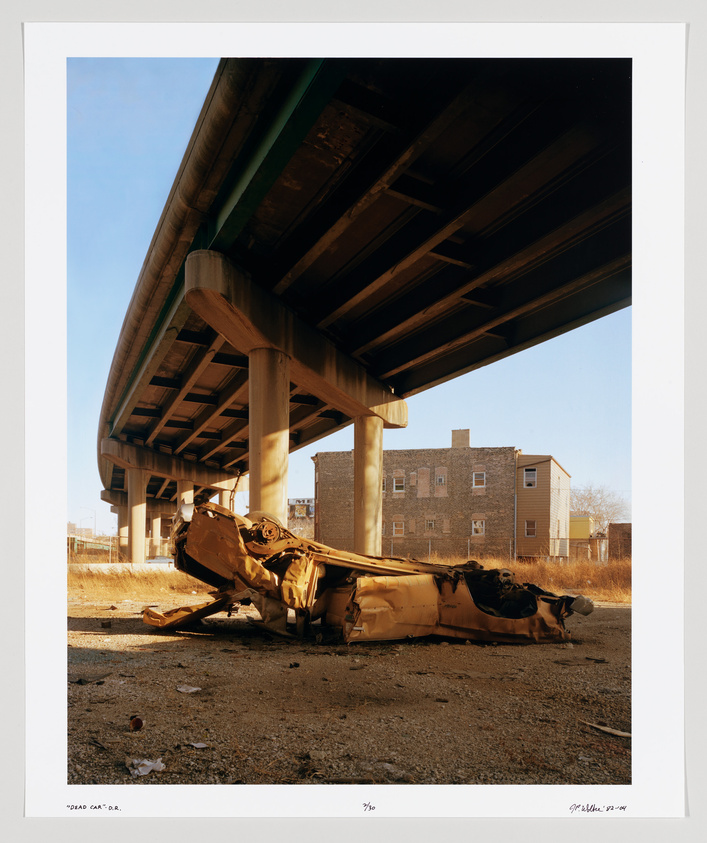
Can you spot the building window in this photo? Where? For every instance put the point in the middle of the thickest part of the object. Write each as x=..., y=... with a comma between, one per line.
x=440, y=481
x=530, y=478
x=530, y=529
x=479, y=479
x=423, y=483
x=384, y=484
x=398, y=528
x=429, y=525
x=478, y=528
x=398, y=484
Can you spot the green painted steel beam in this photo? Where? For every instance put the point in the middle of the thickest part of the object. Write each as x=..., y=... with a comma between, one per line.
x=301, y=107
x=306, y=97
x=163, y=336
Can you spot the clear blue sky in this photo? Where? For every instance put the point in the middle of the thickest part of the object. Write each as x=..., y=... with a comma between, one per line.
x=128, y=124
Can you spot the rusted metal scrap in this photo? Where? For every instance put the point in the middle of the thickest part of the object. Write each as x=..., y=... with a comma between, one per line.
x=256, y=560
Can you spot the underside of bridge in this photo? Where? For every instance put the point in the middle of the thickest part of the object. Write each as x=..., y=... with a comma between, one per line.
x=343, y=233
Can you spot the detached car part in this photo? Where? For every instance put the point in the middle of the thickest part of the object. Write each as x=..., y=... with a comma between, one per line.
x=255, y=559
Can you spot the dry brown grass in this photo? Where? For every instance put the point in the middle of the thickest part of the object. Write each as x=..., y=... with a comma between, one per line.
x=125, y=581
x=609, y=583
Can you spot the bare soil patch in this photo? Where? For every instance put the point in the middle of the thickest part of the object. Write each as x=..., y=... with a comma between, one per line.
x=273, y=710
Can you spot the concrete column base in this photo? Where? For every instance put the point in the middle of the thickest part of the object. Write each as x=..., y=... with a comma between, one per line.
x=368, y=485
x=123, y=530
x=137, y=514
x=269, y=423
x=156, y=524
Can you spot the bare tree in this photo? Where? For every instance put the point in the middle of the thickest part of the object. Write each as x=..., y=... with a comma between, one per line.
x=604, y=505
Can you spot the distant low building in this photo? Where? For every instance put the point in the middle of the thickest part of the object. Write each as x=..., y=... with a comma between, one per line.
x=619, y=541
x=300, y=516
x=300, y=508
x=78, y=532
x=581, y=527
x=585, y=542
x=458, y=501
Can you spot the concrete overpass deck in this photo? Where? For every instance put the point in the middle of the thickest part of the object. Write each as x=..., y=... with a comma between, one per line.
x=343, y=233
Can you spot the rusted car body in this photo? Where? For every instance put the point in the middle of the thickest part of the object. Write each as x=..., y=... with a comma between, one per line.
x=256, y=560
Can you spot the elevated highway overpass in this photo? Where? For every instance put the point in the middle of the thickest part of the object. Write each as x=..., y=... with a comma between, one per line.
x=342, y=234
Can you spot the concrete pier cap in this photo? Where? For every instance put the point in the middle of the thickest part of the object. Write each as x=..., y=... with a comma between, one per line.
x=283, y=349
x=249, y=317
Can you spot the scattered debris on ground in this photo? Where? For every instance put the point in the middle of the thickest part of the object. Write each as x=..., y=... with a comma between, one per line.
x=277, y=710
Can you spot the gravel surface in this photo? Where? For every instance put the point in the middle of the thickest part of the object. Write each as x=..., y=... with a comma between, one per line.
x=272, y=710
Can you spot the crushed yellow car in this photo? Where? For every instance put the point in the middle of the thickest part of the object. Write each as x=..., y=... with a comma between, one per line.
x=255, y=560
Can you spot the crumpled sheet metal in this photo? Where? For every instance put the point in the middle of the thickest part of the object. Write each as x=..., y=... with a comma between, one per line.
x=214, y=540
x=184, y=615
x=390, y=608
x=299, y=583
x=369, y=598
x=385, y=608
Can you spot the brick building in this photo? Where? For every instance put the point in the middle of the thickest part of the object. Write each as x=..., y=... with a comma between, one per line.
x=620, y=541
x=458, y=501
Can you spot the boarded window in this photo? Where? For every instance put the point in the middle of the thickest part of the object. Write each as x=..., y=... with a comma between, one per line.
x=530, y=529
x=384, y=484
x=530, y=478
x=413, y=478
x=423, y=483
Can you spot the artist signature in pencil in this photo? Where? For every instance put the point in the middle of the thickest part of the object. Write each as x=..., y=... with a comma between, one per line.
x=595, y=809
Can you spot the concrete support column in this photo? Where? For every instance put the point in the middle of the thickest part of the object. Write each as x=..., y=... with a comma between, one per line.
x=156, y=534
x=368, y=484
x=269, y=425
x=185, y=492
x=122, y=530
x=224, y=499
x=137, y=514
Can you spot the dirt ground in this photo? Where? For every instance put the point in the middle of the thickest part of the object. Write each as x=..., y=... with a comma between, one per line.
x=272, y=710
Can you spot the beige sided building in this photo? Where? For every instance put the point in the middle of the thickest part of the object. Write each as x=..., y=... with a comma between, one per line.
x=542, y=507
